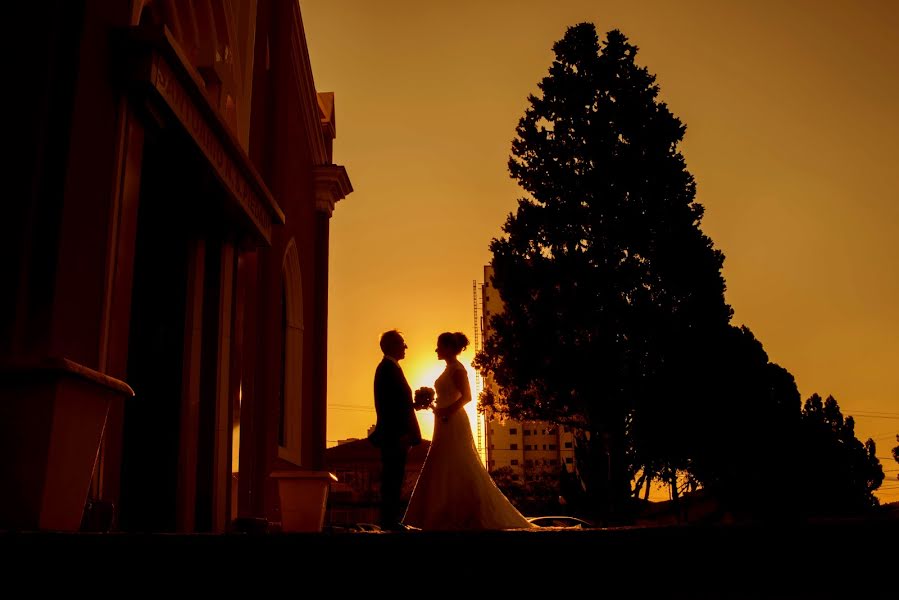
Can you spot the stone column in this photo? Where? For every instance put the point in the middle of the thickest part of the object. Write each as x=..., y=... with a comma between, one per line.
x=331, y=184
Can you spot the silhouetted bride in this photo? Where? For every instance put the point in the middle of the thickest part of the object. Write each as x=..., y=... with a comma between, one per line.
x=454, y=490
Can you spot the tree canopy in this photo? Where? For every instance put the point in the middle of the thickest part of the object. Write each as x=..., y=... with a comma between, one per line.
x=612, y=292
x=896, y=453
x=840, y=472
x=614, y=318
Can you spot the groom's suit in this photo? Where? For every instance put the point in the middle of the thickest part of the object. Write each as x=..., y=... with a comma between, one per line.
x=396, y=430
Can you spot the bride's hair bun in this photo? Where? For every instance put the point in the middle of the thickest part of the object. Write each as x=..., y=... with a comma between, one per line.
x=457, y=341
x=461, y=341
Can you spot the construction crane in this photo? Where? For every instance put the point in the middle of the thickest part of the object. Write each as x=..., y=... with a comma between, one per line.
x=477, y=348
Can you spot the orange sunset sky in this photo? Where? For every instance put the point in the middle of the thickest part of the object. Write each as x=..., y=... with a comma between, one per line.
x=792, y=132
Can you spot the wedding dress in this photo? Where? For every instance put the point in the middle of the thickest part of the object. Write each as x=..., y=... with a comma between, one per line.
x=454, y=490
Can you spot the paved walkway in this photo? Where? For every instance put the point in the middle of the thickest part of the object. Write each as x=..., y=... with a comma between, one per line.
x=834, y=559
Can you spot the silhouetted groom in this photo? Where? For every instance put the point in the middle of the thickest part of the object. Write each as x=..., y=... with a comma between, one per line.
x=397, y=428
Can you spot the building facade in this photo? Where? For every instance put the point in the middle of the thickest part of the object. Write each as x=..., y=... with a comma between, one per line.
x=163, y=326
x=528, y=446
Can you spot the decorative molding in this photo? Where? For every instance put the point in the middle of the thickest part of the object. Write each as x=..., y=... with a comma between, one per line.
x=50, y=367
x=299, y=57
x=331, y=184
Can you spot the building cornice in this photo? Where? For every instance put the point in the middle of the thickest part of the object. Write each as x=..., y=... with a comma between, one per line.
x=311, y=115
x=331, y=184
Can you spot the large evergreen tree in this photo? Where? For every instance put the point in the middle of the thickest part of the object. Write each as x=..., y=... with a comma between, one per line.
x=839, y=473
x=614, y=298
x=896, y=453
x=743, y=435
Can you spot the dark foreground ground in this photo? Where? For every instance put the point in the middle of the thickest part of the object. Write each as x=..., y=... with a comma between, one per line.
x=833, y=559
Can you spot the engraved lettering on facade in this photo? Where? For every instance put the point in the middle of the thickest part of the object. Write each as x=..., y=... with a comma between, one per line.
x=194, y=121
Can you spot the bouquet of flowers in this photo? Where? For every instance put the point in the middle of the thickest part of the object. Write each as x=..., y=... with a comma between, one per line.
x=424, y=399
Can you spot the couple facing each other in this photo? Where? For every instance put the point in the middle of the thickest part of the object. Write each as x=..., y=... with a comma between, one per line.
x=454, y=490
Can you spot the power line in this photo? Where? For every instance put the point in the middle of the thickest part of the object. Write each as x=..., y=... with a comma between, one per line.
x=352, y=408
x=865, y=410
x=859, y=415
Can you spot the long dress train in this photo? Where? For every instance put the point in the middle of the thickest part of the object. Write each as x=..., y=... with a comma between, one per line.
x=454, y=490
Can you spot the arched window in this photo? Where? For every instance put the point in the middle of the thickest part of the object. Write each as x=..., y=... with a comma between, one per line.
x=289, y=427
